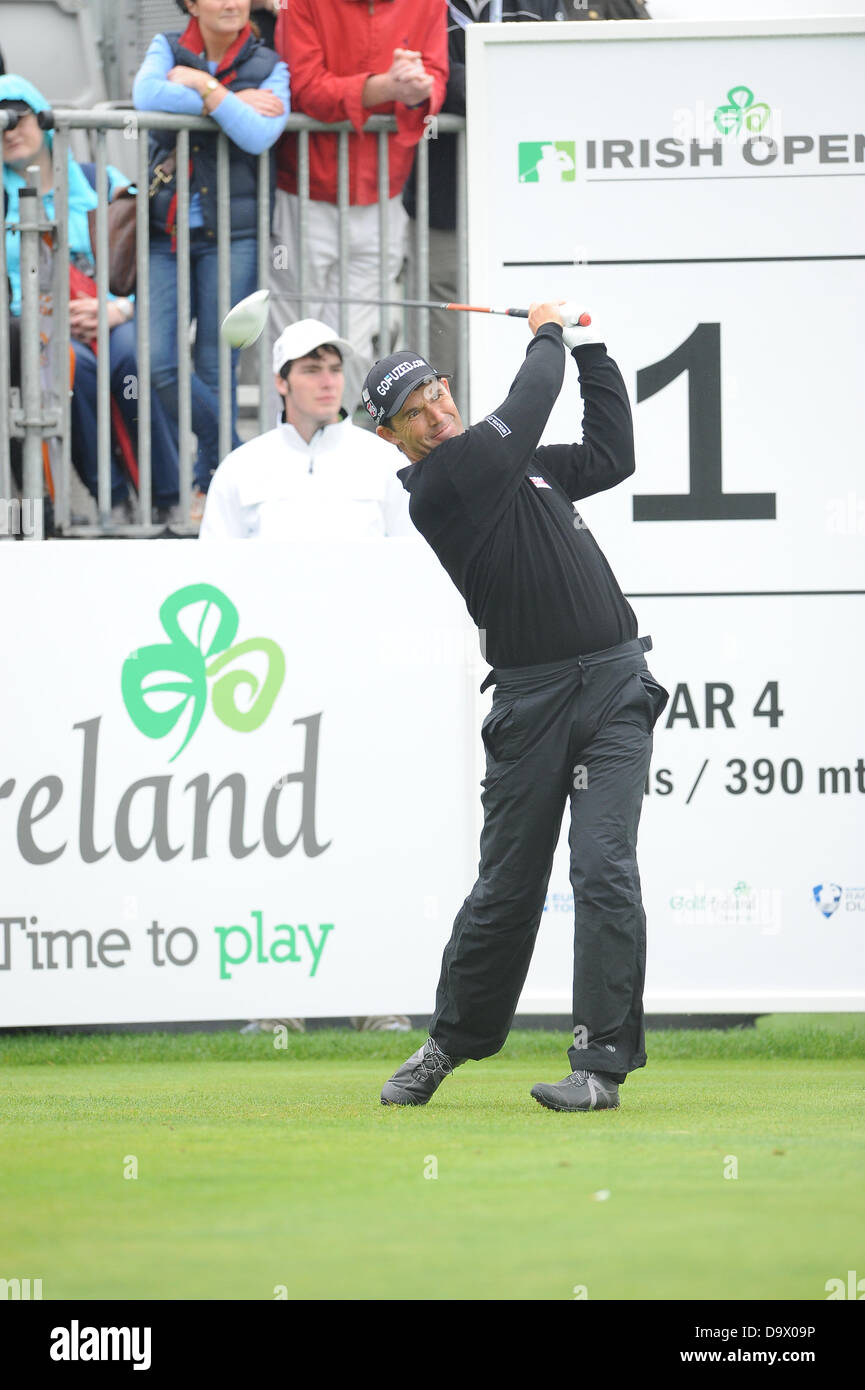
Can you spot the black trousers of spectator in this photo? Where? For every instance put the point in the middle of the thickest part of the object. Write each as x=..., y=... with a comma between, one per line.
x=582, y=729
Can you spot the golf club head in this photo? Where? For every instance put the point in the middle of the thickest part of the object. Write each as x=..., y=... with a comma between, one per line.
x=244, y=323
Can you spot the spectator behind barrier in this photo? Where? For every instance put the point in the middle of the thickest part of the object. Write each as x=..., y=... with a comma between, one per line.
x=317, y=475
x=217, y=67
x=605, y=9
x=263, y=15
x=27, y=144
x=349, y=61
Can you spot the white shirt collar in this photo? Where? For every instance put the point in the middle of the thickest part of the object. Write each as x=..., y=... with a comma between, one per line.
x=327, y=437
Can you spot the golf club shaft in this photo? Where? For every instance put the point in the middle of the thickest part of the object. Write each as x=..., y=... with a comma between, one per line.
x=420, y=304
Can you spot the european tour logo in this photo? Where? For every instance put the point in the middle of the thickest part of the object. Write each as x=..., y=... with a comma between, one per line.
x=547, y=161
x=197, y=652
x=739, y=129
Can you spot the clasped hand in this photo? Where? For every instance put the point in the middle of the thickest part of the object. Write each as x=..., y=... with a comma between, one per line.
x=410, y=82
x=84, y=317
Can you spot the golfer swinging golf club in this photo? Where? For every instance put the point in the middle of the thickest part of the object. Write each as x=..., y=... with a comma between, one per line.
x=573, y=709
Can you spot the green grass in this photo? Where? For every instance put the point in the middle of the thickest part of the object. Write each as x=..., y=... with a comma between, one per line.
x=819, y=1036
x=260, y=1168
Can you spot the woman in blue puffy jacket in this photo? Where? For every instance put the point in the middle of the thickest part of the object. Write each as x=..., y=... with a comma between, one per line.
x=24, y=145
x=216, y=67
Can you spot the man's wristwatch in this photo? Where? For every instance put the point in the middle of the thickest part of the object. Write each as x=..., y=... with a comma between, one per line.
x=209, y=87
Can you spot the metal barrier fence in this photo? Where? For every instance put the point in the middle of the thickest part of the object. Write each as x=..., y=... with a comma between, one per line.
x=40, y=415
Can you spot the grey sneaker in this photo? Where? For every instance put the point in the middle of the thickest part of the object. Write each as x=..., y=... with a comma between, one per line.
x=582, y=1090
x=420, y=1076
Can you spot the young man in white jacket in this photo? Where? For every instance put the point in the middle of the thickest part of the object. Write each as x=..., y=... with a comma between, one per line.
x=316, y=476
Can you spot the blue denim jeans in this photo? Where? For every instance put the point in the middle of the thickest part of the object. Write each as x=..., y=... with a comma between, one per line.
x=203, y=308
x=124, y=369
x=83, y=415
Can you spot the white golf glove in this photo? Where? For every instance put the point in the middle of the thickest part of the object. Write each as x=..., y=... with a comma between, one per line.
x=573, y=335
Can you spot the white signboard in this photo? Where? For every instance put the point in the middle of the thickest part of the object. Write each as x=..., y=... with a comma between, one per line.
x=751, y=847
x=237, y=780
x=241, y=781
x=701, y=189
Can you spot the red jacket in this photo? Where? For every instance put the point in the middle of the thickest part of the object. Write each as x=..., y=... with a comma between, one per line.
x=331, y=48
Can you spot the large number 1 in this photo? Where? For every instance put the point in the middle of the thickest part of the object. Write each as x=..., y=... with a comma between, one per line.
x=700, y=357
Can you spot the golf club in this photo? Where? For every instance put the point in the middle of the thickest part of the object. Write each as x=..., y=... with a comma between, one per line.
x=244, y=323
x=582, y=319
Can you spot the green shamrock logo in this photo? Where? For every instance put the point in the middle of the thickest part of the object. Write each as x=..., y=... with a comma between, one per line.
x=742, y=110
x=155, y=706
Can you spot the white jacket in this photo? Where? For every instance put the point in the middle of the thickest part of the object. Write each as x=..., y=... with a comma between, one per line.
x=341, y=485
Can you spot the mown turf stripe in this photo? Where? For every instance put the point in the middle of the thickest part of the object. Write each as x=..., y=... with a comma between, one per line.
x=776, y=1036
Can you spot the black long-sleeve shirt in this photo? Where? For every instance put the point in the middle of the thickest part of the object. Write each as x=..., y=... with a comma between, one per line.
x=498, y=512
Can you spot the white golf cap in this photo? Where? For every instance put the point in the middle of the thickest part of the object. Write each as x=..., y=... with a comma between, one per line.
x=299, y=339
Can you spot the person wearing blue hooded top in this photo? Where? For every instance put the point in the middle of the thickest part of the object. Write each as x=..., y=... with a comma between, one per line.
x=25, y=145
x=216, y=67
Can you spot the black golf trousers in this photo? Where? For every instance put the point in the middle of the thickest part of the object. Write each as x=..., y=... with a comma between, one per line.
x=578, y=729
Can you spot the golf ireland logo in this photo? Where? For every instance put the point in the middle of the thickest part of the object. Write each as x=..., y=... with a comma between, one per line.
x=742, y=111
x=547, y=161
x=200, y=623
